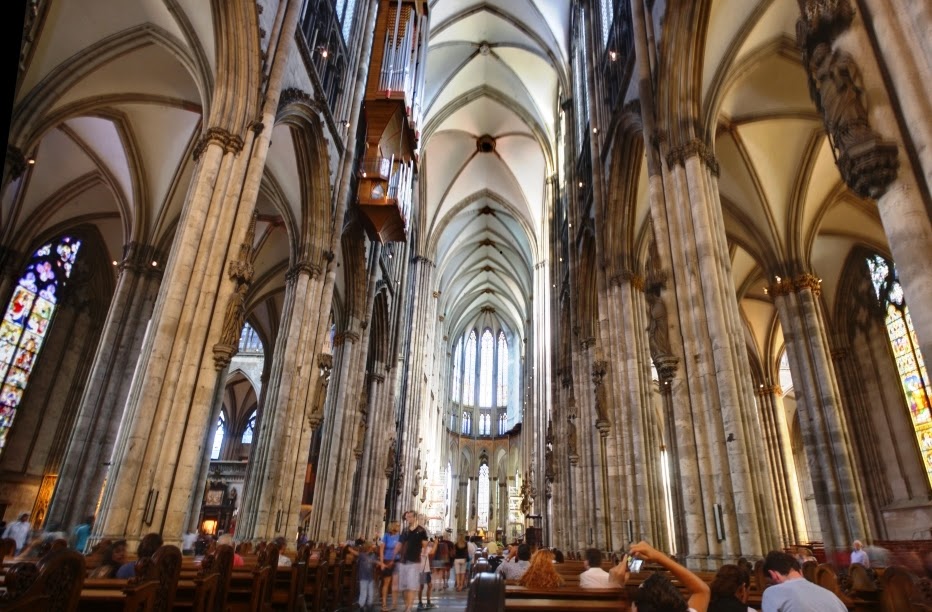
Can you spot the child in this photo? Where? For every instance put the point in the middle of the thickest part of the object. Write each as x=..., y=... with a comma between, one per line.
x=366, y=573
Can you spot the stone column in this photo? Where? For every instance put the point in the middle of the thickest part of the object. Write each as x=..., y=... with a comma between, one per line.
x=828, y=450
x=165, y=424
x=633, y=477
x=415, y=391
x=370, y=496
x=87, y=458
x=788, y=503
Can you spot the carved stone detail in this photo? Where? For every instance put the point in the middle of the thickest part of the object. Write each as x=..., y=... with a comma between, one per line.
x=679, y=155
x=599, y=368
x=868, y=164
x=240, y=272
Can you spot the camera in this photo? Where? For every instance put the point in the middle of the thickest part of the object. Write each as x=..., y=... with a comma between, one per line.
x=634, y=565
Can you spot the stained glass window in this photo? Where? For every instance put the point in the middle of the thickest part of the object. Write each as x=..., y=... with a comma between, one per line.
x=26, y=322
x=467, y=421
x=909, y=363
x=218, y=437
x=486, y=360
x=250, y=429
x=469, y=370
x=502, y=423
x=457, y=369
x=483, y=497
x=502, y=394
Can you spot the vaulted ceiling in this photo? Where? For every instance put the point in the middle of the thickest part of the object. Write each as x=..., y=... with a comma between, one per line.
x=494, y=73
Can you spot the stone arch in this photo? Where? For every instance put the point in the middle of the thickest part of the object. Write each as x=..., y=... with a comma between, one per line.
x=297, y=111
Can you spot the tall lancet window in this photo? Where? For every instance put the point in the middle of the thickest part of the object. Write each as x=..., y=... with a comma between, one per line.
x=483, y=495
x=909, y=363
x=26, y=322
x=218, y=436
x=457, y=369
x=502, y=393
x=469, y=371
x=467, y=422
x=486, y=359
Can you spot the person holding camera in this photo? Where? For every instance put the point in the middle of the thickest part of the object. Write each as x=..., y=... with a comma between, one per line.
x=657, y=593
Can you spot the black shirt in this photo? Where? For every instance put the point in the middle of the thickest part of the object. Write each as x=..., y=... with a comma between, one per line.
x=412, y=540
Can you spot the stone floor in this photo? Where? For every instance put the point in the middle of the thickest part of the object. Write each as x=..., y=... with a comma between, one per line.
x=444, y=601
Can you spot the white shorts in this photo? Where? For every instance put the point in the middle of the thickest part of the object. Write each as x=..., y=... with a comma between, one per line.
x=459, y=566
x=409, y=576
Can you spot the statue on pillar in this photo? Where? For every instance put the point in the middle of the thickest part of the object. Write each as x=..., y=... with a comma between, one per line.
x=657, y=336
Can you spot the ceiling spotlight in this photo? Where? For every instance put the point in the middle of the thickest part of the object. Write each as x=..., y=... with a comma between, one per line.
x=114, y=262
x=154, y=263
x=390, y=255
x=363, y=174
x=613, y=55
x=31, y=161
x=581, y=184
x=595, y=130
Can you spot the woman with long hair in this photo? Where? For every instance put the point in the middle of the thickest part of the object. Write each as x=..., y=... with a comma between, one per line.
x=541, y=574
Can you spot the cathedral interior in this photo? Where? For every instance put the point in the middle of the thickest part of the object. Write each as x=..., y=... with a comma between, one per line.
x=593, y=270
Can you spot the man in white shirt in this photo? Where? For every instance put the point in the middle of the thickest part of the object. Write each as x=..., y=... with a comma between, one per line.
x=595, y=577
x=19, y=531
x=859, y=555
x=791, y=592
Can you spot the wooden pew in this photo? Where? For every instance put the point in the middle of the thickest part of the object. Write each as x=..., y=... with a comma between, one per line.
x=54, y=586
x=126, y=597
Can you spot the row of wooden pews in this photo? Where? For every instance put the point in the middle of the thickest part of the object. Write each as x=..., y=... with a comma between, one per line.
x=892, y=590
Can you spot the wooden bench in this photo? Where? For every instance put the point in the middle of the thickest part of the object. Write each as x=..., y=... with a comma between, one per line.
x=56, y=586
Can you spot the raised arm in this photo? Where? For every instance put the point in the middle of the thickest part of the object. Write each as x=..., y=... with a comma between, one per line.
x=698, y=589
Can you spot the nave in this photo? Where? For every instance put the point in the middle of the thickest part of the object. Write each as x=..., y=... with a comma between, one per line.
x=581, y=273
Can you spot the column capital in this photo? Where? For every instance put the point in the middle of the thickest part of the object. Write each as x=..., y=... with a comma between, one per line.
x=222, y=137
x=695, y=147
x=303, y=266
x=629, y=276
x=765, y=390
x=786, y=286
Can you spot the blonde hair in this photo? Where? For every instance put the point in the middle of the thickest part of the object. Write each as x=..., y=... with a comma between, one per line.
x=541, y=574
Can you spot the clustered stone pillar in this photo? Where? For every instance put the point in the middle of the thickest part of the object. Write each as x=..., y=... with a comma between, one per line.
x=788, y=503
x=633, y=478
x=415, y=400
x=87, y=457
x=838, y=495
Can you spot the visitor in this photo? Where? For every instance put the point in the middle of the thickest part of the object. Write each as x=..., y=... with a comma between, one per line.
x=541, y=573
x=408, y=553
x=147, y=547
x=460, y=561
x=594, y=577
x=227, y=540
x=19, y=531
x=730, y=590
x=859, y=555
x=657, y=593
x=513, y=570
x=387, y=547
x=365, y=572
x=791, y=591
